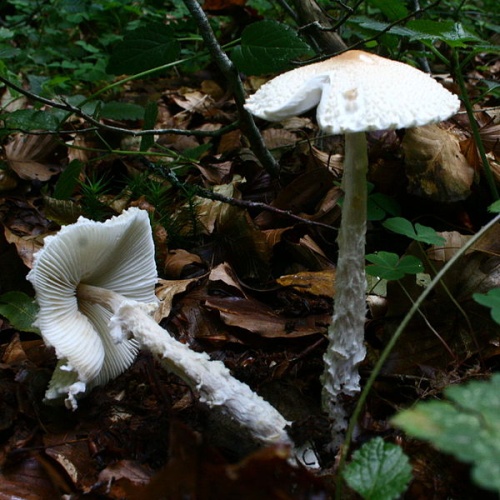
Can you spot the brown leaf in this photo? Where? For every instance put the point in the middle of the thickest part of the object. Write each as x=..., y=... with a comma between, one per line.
x=435, y=165
x=166, y=292
x=254, y=316
x=26, y=155
x=177, y=260
x=320, y=283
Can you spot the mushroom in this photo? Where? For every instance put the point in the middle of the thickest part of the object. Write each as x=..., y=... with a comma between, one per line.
x=355, y=92
x=94, y=283
x=115, y=255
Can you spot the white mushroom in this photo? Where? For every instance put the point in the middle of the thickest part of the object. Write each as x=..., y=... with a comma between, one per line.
x=116, y=255
x=94, y=284
x=355, y=92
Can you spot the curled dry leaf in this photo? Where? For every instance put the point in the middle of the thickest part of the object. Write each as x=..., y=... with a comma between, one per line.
x=435, y=165
x=177, y=260
x=320, y=283
x=26, y=156
x=166, y=292
x=453, y=242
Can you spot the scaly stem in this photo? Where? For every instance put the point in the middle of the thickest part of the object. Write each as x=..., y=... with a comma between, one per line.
x=213, y=382
x=346, y=332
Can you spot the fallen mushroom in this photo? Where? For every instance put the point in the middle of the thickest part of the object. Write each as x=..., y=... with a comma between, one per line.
x=94, y=283
x=355, y=92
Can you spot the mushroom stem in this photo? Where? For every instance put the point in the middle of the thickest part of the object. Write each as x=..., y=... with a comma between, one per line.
x=210, y=379
x=346, y=332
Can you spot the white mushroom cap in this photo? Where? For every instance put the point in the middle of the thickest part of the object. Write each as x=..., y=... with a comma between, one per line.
x=116, y=255
x=355, y=92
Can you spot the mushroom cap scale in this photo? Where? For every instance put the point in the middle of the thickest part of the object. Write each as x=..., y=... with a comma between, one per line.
x=117, y=255
x=355, y=92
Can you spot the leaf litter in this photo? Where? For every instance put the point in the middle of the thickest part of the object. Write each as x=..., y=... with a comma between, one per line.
x=254, y=289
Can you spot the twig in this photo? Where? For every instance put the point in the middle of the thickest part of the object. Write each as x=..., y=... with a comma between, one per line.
x=205, y=193
x=66, y=106
x=230, y=73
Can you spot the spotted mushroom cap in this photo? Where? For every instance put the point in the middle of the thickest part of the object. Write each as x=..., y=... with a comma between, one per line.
x=355, y=92
x=117, y=255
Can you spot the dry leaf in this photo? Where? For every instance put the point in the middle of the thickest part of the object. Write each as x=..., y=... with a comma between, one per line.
x=320, y=283
x=25, y=155
x=166, y=292
x=435, y=165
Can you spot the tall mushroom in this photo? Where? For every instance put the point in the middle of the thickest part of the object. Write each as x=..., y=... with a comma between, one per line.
x=94, y=283
x=355, y=92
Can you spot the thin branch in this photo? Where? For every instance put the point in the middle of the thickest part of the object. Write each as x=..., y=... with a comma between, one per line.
x=166, y=173
x=230, y=73
x=66, y=106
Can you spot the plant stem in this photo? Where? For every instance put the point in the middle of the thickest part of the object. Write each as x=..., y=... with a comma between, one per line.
x=490, y=179
x=346, y=332
x=390, y=345
x=230, y=73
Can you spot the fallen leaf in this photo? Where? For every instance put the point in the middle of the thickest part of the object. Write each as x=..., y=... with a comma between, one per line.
x=435, y=165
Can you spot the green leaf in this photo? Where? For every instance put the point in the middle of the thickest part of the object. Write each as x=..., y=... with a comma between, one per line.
x=494, y=207
x=150, y=115
x=116, y=110
x=393, y=10
x=419, y=232
x=452, y=33
x=268, y=47
x=490, y=299
x=379, y=205
x=389, y=266
x=68, y=180
x=378, y=471
x=466, y=425
x=30, y=119
x=20, y=309
x=144, y=48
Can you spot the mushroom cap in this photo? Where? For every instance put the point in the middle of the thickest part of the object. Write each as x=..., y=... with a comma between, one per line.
x=355, y=92
x=117, y=255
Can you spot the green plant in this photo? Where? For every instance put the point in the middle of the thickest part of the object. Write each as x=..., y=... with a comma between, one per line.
x=392, y=342
x=378, y=470
x=466, y=424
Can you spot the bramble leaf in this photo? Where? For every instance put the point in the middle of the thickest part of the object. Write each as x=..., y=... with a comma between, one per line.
x=378, y=471
x=466, y=425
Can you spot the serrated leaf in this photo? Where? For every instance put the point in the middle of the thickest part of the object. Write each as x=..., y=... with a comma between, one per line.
x=467, y=426
x=419, y=232
x=389, y=266
x=268, y=47
x=20, y=309
x=116, y=110
x=490, y=299
x=144, y=48
x=378, y=470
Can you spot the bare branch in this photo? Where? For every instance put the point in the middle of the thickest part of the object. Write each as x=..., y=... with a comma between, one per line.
x=230, y=73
